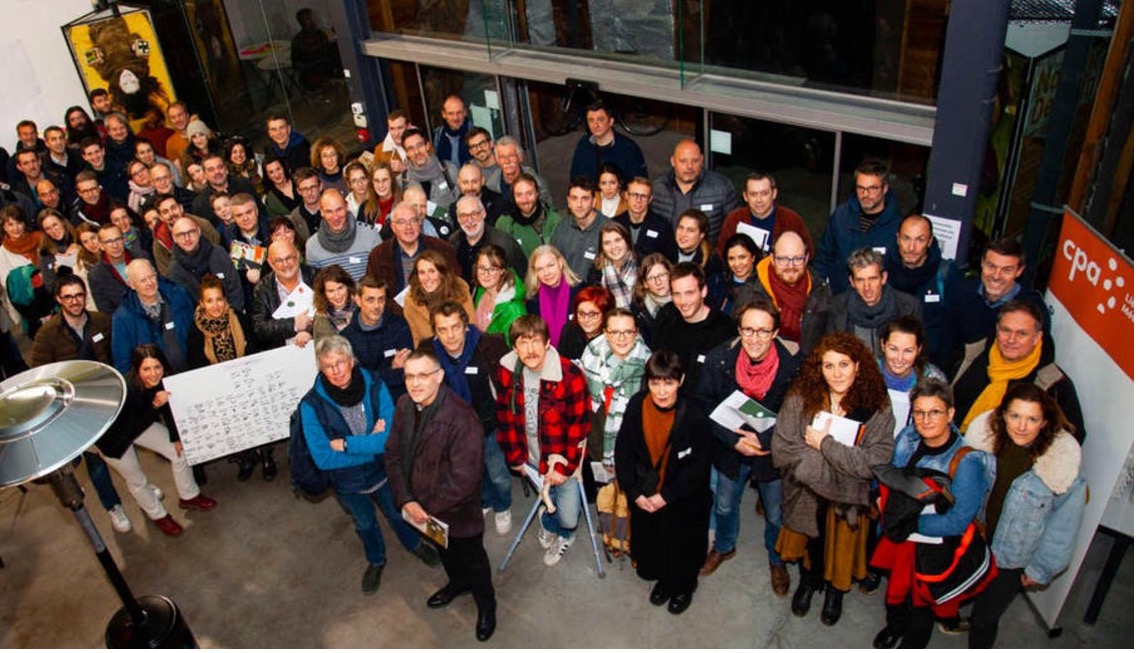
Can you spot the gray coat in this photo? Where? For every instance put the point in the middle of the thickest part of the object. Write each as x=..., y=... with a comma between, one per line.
x=713, y=194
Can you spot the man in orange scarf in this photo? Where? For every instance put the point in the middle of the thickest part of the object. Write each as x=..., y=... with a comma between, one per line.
x=1020, y=351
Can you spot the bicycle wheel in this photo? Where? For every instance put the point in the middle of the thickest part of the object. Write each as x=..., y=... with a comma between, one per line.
x=558, y=121
x=642, y=117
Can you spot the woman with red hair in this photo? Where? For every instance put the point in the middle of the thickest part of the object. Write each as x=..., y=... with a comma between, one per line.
x=586, y=321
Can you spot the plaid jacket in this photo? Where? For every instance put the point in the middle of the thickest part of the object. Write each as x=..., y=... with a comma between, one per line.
x=563, y=404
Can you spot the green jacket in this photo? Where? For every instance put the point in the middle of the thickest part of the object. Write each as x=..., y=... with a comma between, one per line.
x=527, y=237
x=505, y=310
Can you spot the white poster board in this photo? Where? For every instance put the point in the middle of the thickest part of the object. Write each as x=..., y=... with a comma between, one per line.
x=947, y=232
x=240, y=404
x=1090, y=296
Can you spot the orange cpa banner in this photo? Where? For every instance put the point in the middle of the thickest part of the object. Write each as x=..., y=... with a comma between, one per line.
x=1095, y=283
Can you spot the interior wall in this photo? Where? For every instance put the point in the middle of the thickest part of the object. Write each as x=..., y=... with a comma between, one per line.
x=38, y=75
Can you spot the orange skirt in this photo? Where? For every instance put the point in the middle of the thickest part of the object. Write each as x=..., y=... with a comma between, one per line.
x=845, y=555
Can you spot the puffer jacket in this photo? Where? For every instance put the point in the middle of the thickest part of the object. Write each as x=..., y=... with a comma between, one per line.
x=843, y=235
x=712, y=193
x=1043, y=508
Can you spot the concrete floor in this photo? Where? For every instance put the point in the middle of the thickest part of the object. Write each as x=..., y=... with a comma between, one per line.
x=268, y=570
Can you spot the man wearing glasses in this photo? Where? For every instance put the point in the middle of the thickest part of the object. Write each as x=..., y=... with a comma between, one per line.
x=165, y=183
x=481, y=146
x=870, y=218
x=394, y=259
x=472, y=183
x=802, y=297
x=287, y=275
x=194, y=257
x=651, y=233
x=761, y=366
x=474, y=233
x=108, y=276
x=92, y=204
x=309, y=187
x=170, y=211
x=435, y=176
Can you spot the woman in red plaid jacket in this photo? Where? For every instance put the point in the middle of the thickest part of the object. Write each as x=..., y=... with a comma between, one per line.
x=543, y=416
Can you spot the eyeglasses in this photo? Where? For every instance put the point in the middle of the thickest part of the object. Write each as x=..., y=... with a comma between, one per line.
x=84, y=191
x=185, y=235
x=285, y=260
x=868, y=190
x=791, y=261
x=479, y=145
x=623, y=333
x=79, y=296
x=588, y=315
x=748, y=332
x=403, y=223
x=638, y=196
x=656, y=278
x=112, y=241
x=489, y=269
x=473, y=215
x=310, y=188
x=421, y=378
x=928, y=414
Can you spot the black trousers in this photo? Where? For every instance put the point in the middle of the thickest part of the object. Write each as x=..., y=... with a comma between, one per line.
x=990, y=605
x=468, y=567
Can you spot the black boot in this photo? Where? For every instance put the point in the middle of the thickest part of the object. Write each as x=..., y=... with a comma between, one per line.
x=246, y=463
x=800, y=603
x=832, y=607
x=268, y=466
x=896, y=617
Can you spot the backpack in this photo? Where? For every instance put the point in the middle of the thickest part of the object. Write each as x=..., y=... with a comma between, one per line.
x=612, y=519
x=307, y=478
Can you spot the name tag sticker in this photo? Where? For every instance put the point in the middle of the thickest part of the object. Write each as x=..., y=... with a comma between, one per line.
x=443, y=185
x=472, y=370
x=652, y=233
x=879, y=250
x=590, y=255
x=700, y=358
x=169, y=326
x=355, y=259
x=706, y=207
x=389, y=353
x=220, y=275
x=683, y=454
x=932, y=298
x=98, y=337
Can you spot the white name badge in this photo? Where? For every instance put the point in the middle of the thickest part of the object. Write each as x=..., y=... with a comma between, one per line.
x=98, y=337
x=389, y=353
x=443, y=185
x=706, y=207
x=700, y=358
x=355, y=260
x=590, y=255
x=472, y=370
x=220, y=275
x=652, y=233
x=929, y=299
x=879, y=250
x=169, y=326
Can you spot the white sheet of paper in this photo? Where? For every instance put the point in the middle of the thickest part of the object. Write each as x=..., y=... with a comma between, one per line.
x=757, y=234
x=842, y=429
x=900, y=401
x=947, y=232
x=402, y=296
x=601, y=474
x=65, y=259
x=739, y=409
x=482, y=117
x=297, y=302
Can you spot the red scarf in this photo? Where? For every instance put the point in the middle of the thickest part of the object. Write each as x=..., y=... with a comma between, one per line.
x=27, y=245
x=162, y=233
x=755, y=378
x=790, y=300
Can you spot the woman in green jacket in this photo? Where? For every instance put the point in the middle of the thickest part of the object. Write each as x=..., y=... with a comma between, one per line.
x=500, y=297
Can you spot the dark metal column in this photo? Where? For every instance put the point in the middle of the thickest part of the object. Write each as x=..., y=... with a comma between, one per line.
x=367, y=82
x=972, y=59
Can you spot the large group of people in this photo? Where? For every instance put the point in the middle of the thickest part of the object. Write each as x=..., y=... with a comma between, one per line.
x=466, y=330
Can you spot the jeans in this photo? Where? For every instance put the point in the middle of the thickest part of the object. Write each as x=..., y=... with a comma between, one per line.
x=729, y=494
x=567, y=499
x=359, y=506
x=101, y=479
x=496, y=481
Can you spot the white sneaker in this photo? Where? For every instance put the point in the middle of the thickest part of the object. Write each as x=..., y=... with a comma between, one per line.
x=503, y=521
x=545, y=538
x=119, y=521
x=158, y=493
x=555, y=552
x=485, y=511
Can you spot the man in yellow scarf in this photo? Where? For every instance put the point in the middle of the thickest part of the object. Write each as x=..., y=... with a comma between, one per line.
x=1020, y=351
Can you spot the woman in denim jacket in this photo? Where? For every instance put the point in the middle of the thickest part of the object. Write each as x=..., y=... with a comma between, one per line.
x=1036, y=502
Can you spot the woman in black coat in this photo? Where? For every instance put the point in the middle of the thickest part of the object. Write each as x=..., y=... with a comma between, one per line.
x=663, y=465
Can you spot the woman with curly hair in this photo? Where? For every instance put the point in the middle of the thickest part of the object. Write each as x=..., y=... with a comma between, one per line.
x=432, y=283
x=241, y=163
x=826, y=484
x=328, y=158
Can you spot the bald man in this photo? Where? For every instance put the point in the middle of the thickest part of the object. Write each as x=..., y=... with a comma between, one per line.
x=688, y=186
x=338, y=240
x=195, y=256
x=154, y=311
x=286, y=274
x=802, y=297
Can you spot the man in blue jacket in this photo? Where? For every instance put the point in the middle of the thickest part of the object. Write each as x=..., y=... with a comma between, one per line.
x=346, y=418
x=379, y=336
x=869, y=219
x=154, y=311
x=604, y=145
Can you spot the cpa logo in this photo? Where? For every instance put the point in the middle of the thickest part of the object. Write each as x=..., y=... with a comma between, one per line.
x=1081, y=262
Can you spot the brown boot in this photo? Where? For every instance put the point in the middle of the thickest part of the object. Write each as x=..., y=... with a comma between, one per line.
x=780, y=580
x=714, y=559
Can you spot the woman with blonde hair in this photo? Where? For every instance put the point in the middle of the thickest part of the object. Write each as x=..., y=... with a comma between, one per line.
x=432, y=283
x=550, y=287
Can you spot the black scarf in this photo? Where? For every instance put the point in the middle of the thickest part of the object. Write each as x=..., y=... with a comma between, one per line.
x=909, y=279
x=872, y=317
x=351, y=395
x=337, y=243
x=197, y=261
x=536, y=220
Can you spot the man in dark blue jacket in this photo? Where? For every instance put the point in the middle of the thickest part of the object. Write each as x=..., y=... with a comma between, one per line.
x=604, y=145
x=380, y=337
x=869, y=219
x=154, y=311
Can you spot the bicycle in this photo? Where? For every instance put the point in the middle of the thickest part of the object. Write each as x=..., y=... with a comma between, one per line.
x=637, y=116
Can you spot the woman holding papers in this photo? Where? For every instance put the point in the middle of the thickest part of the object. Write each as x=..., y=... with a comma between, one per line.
x=834, y=426
x=662, y=463
x=903, y=363
x=761, y=367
